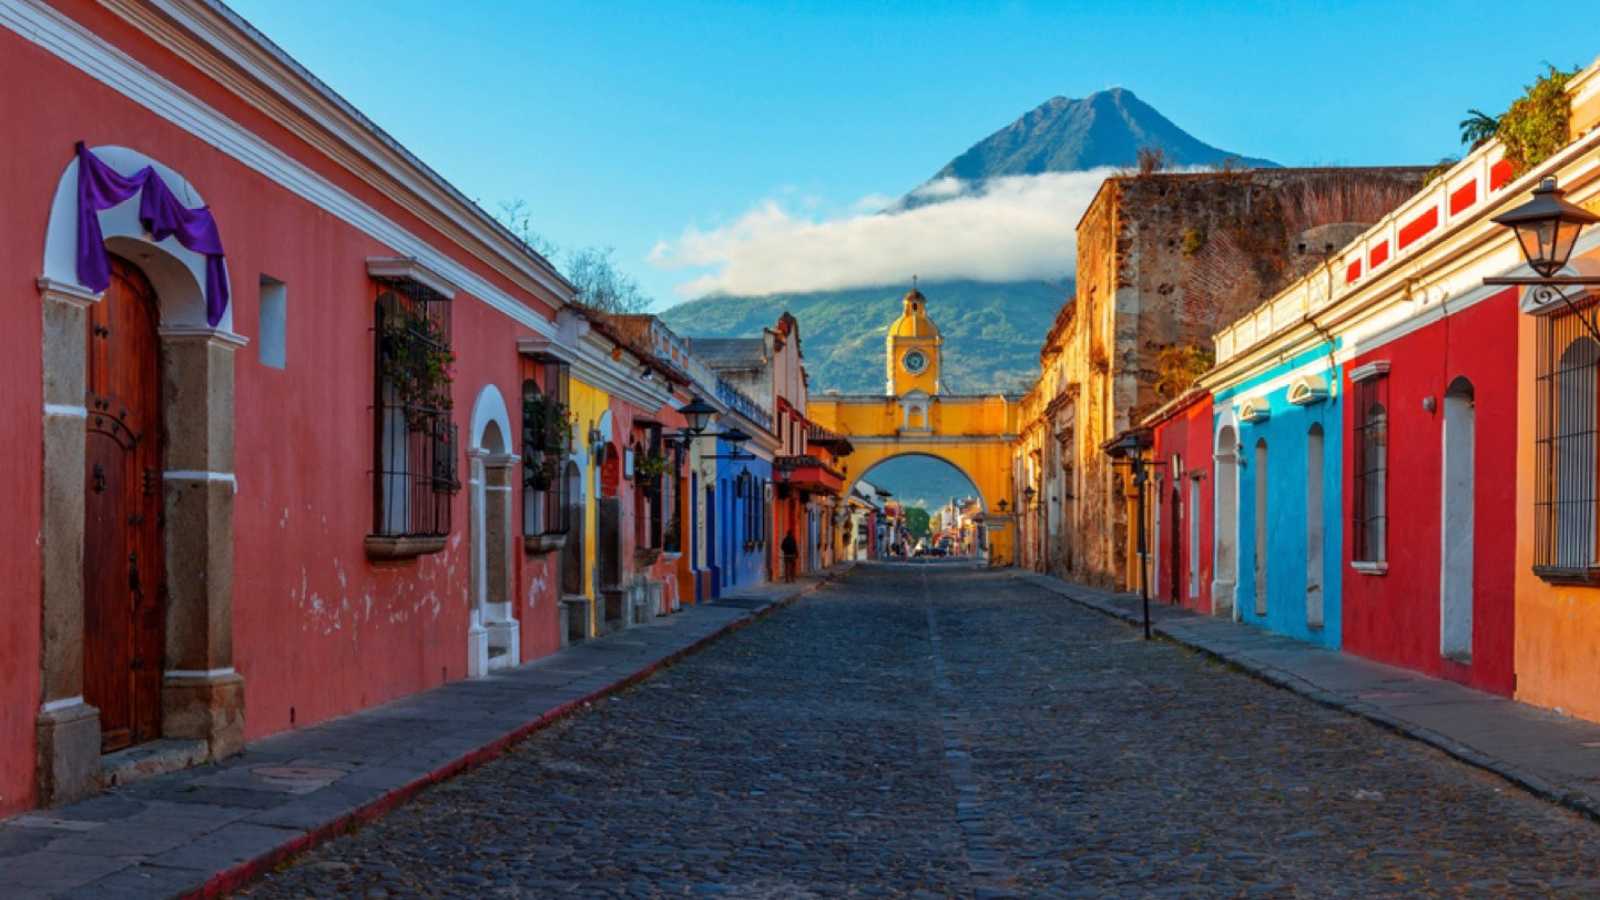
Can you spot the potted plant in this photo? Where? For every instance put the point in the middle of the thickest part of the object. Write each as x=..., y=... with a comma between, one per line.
x=415, y=363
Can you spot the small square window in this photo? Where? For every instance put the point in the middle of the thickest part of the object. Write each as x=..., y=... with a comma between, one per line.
x=272, y=338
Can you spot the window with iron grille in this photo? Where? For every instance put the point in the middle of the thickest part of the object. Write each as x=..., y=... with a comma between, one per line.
x=1565, y=495
x=671, y=531
x=657, y=488
x=1371, y=445
x=546, y=440
x=415, y=471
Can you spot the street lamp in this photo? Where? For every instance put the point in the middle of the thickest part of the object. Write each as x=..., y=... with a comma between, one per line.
x=698, y=413
x=1547, y=229
x=1027, y=497
x=1131, y=446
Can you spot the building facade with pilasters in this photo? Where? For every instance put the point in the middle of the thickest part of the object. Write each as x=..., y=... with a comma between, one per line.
x=272, y=385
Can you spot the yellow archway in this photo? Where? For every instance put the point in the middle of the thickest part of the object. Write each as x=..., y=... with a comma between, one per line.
x=972, y=433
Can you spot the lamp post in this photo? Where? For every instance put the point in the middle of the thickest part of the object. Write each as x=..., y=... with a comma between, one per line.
x=1131, y=446
x=1547, y=229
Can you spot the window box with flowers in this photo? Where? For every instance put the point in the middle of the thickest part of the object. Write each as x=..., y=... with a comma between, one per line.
x=415, y=473
x=546, y=442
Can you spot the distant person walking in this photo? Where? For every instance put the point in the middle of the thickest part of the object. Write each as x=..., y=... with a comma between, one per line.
x=791, y=555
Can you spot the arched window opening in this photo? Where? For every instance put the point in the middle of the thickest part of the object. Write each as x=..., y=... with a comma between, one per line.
x=1371, y=506
x=546, y=442
x=1565, y=481
x=1456, y=537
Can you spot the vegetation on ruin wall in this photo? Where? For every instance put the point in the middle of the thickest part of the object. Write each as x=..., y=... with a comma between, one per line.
x=1534, y=127
x=1178, y=367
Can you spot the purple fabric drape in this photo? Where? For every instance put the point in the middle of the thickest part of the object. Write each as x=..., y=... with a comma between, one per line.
x=102, y=187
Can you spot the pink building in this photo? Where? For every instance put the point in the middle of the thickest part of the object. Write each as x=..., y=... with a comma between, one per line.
x=242, y=497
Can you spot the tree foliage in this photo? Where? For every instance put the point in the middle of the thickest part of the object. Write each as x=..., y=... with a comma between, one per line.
x=1535, y=126
x=1478, y=128
x=593, y=271
x=918, y=522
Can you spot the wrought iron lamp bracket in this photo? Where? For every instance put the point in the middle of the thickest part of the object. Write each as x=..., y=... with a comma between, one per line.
x=1547, y=290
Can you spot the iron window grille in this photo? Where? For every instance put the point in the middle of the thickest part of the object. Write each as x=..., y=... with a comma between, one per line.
x=545, y=485
x=657, y=489
x=1565, y=495
x=1371, y=445
x=415, y=473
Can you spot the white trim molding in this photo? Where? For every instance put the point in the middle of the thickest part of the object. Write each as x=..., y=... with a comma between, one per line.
x=200, y=673
x=50, y=706
x=409, y=268
x=1308, y=389
x=543, y=347
x=197, y=475
x=1254, y=410
x=66, y=410
x=1370, y=568
x=221, y=336
x=1370, y=370
x=65, y=292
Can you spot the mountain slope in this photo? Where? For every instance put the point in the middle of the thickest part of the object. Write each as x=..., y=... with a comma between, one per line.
x=991, y=331
x=1106, y=128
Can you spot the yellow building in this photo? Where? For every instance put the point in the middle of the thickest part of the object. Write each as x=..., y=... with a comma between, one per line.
x=912, y=346
x=973, y=432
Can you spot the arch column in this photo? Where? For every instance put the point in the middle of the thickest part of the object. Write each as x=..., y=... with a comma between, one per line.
x=67, y=764
x=202, y=696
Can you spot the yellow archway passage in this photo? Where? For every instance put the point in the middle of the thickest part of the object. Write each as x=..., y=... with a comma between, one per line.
x=974, y=433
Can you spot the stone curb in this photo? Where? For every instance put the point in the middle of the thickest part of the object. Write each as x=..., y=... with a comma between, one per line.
x=1509, y=771
x=241, y=874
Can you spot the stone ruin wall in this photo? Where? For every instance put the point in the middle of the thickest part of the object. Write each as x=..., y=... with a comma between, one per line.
x=1170, y=259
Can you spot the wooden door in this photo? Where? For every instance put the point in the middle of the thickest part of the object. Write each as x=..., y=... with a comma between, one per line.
x=123, y=557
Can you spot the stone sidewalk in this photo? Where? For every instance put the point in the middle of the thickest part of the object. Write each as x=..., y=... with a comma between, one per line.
x=204, y=831
x=1550, y=755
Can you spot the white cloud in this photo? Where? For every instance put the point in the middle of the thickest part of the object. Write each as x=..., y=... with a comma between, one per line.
x=1017, y=228
x=939, y=188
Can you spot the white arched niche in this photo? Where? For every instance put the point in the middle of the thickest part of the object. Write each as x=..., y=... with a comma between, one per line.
x=177, y=273
x=493, y=635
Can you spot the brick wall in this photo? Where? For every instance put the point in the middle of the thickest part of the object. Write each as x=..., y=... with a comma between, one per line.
x=1167, y=260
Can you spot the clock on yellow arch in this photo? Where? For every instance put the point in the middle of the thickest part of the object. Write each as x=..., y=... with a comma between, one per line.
x=913, y=346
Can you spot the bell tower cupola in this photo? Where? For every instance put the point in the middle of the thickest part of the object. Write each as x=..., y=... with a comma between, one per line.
x=913, y=348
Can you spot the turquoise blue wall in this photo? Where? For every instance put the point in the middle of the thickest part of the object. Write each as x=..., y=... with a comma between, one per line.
x=1286, y=432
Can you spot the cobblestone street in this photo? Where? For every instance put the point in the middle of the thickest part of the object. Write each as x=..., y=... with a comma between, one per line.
x=944, y=731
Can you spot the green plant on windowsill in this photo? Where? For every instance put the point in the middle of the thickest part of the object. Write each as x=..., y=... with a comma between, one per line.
x=649, y=466
x=546, y=439
x=416, y=364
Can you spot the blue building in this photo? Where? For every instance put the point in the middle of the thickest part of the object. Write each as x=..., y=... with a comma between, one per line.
x=744, y=492
x=1278, y=437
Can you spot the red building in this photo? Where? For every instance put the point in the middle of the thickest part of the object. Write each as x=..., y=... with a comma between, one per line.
x=268, y=472
x=1430, y=419
x=1181, y=518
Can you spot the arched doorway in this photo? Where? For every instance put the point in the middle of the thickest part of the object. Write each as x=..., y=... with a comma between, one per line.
x=1456, y=539
x=608, y=541
x=573, y=596
x=944, y=510
x=493, y=636
x=183, y=510
x=1225, y=570
x=123, y=549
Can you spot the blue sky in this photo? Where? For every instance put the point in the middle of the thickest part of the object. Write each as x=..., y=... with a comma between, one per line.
x=632, y=124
